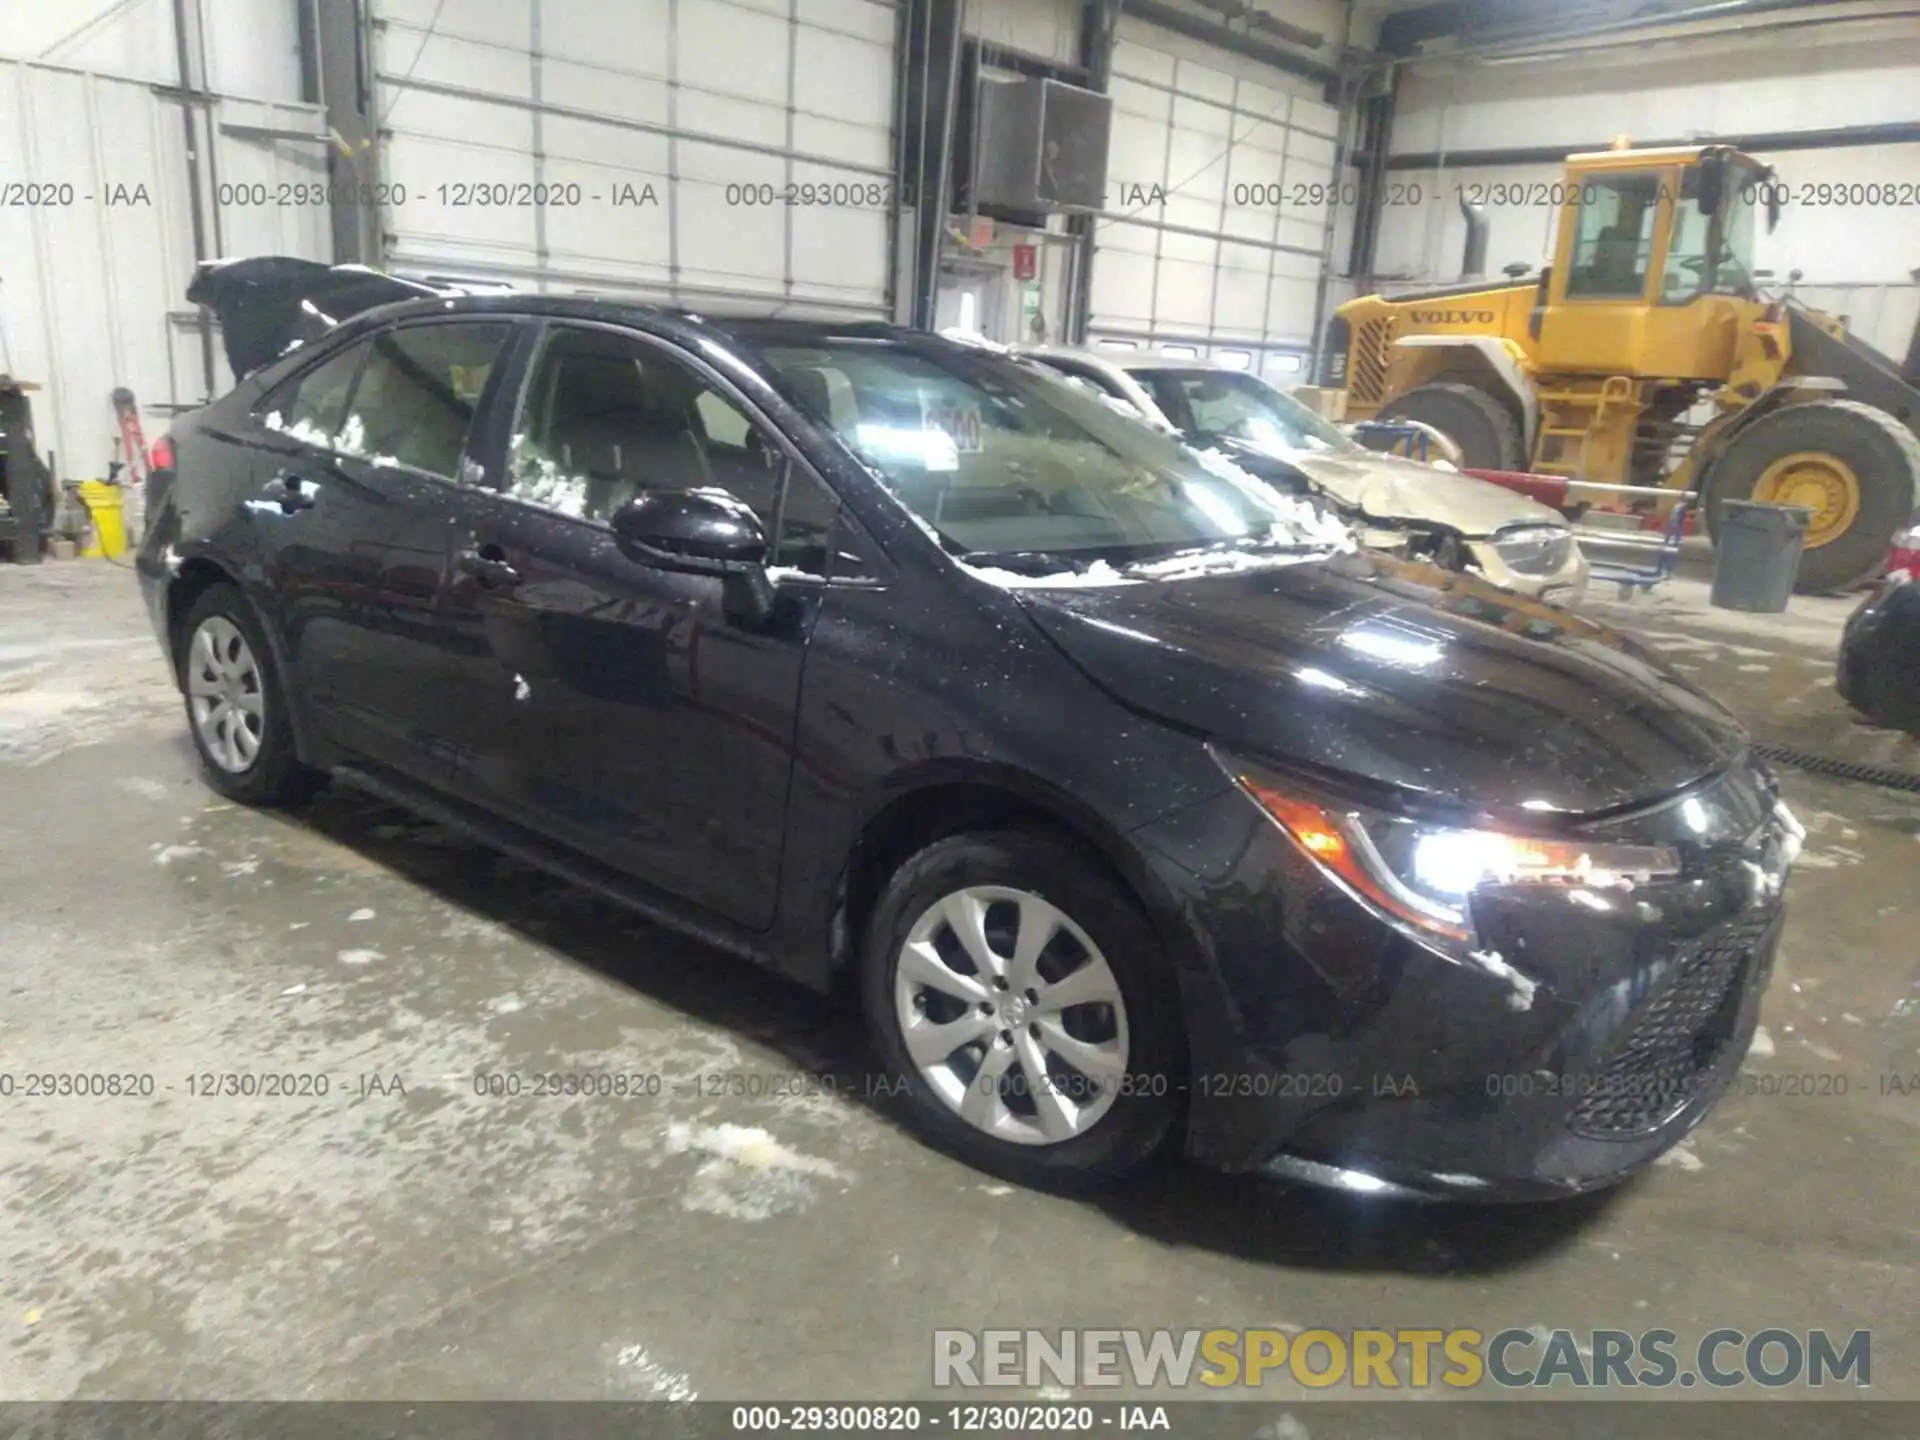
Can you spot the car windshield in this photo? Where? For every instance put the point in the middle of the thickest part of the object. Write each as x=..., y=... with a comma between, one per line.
x=1011, y=467
x=1232, y=405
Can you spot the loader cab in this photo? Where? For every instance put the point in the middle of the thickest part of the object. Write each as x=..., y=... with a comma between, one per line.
x=1653, y=264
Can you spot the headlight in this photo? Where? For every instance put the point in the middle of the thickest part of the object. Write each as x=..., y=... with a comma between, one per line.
x=1420, y=877
x=1535, y=549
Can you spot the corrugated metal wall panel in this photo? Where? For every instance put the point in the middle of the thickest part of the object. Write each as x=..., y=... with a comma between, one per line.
x=666, y=136
x=92, y=277
x=1219, y=186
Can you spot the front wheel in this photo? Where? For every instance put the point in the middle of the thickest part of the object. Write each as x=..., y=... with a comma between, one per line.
x=1480, y=429
x=1016, y=998
x=1856, y=468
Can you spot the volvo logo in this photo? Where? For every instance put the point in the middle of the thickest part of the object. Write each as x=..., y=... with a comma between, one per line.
x=1453, y=317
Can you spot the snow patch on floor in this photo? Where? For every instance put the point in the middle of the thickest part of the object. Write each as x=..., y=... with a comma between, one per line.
x=653, y=1379
x=359, y=957
x=1832, y=858
x=746, y=1174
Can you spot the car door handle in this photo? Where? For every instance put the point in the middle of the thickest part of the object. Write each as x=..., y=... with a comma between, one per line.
x=290, y=492
x=489, y=566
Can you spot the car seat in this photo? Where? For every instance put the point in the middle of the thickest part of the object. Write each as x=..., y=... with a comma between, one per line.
x=624, y=427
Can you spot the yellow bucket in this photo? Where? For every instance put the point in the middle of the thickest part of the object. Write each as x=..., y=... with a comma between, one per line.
x=105, y=507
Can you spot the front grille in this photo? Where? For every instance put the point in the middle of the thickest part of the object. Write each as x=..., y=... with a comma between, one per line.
x=1535, y=549
x=1655, y=1066
x=1367, y=385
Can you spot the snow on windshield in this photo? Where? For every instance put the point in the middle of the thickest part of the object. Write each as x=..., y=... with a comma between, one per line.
x=1299, y=522
x=1312, y=533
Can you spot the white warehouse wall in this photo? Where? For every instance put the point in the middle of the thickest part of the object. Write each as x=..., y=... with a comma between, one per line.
x=1218, y=172
x=651, y=125
x=1226, y=253
x=1858, y=259
x=96, y=240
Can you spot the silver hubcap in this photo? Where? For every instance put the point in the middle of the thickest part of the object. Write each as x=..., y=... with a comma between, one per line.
x=225, y=694
x=1012, y=1015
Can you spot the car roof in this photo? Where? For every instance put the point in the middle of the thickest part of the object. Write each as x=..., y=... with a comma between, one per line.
x=1128, y=360
x=754, y=327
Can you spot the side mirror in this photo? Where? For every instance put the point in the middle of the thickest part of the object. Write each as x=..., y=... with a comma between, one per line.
x=701, y=532
x=697, y=532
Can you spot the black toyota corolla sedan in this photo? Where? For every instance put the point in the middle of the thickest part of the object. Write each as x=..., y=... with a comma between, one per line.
x=1135, y=805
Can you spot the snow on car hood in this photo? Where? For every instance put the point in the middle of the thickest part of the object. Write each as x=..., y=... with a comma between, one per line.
x=1390, y=487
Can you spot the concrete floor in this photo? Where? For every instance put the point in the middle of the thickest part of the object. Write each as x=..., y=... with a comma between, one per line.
x=375, y=1244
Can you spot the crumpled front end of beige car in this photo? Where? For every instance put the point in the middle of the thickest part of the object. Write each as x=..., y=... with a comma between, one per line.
x=1541, y=562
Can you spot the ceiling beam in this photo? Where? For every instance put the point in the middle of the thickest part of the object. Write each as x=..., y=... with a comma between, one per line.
x=1839, y=137
x=1198, y=27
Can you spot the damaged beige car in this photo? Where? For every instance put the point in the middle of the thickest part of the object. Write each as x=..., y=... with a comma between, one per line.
x=1398, y=505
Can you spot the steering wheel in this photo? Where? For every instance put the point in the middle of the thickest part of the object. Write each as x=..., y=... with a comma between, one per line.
x=1696, y=264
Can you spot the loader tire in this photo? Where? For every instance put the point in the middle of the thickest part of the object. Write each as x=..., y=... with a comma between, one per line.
x=1482, y=428
x=1814, y=455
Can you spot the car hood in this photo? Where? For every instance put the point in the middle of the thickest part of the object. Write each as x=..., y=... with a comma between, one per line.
x=1403, y=674
x=267, y=303
x=1389, y=487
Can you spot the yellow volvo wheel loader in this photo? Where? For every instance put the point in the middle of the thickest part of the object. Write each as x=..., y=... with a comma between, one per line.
x=1644, y=355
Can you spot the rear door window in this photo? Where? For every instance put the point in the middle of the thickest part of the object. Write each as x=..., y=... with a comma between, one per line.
x=417, y=398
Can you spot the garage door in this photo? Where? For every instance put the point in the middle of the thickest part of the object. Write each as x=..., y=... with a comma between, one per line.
x=676, y=149
x=1220, y=176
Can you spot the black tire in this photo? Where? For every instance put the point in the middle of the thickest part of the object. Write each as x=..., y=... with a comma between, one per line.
x=1145, y=1105
x=274, y=775
x=1483, y=428
x=1882, y=453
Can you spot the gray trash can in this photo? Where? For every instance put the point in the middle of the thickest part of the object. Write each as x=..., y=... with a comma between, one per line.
x=1757, y=555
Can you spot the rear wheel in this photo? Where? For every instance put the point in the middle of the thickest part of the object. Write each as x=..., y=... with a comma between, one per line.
x=1856, y=468
x=1016, y=1000
x=1480, y=427
x=236, y=707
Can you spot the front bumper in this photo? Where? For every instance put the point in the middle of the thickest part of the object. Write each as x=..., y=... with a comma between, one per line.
x=1327, y=1046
